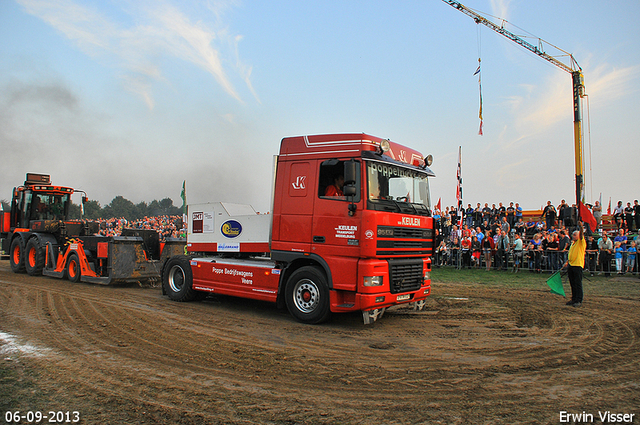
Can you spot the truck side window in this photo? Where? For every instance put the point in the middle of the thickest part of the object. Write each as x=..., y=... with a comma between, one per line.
x=25, y=209
x=331, y=181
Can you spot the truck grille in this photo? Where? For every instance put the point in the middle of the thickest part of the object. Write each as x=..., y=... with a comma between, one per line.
x=405, y=275
x=404, y=241
x=404, y=232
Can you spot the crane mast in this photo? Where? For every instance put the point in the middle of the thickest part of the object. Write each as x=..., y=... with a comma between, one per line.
x=576, y=77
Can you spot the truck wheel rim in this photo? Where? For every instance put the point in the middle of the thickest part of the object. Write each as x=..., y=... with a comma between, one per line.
x=176, y=279
x=32, y=257
x=306, y=296
x=73, y=269
x=16, y=255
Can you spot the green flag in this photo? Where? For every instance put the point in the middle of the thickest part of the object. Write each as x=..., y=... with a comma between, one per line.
x=183, y=195
x=555, y=283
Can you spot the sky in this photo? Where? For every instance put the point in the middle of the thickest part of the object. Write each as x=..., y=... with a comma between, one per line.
x=133, y=97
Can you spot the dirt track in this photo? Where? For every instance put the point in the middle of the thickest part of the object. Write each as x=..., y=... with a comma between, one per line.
x=476, y=355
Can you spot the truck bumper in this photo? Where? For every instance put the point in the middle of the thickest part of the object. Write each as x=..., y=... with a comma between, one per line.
x=345, y=301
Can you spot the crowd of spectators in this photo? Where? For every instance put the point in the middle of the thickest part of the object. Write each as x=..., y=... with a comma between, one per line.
x=500, y=237
x=166, y=226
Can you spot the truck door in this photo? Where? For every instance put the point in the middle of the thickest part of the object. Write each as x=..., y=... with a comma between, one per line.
x=24, y=209
x=336, y=234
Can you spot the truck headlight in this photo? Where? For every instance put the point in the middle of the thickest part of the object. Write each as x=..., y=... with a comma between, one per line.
x=427, y=276
x=372, y=281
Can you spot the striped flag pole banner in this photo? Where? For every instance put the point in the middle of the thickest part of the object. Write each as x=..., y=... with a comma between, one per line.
x=459, y=189
x=480, y=131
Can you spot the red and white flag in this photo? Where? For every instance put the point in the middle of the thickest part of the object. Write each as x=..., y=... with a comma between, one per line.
x=459, y=188
x=587, y=216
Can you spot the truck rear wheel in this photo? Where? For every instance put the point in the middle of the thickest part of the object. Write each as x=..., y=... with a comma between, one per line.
x=73, y=269
x=307, y=295
x=177, y=280
x=34, y=258
x=16, y=255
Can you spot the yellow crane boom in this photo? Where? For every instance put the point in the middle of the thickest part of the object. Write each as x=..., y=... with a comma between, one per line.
x=576, y=76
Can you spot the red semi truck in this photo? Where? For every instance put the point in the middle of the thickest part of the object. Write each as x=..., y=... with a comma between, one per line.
x=350, y=230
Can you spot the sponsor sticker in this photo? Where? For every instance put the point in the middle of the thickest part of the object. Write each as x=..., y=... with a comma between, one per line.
x=231, y=229
x=203, y=288
x=228, y=247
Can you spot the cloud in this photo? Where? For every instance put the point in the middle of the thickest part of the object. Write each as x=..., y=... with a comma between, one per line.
x=192, y=43
x=159, y=29
x=500, y=8
x=609, y=84
x=245, y=71
x=91, y=31
x=543, y=106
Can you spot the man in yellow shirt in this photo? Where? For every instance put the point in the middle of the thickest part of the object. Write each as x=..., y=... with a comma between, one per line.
x=575, y=264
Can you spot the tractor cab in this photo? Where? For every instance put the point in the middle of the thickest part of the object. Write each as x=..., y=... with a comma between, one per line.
x=38, y=205
x=38, y=201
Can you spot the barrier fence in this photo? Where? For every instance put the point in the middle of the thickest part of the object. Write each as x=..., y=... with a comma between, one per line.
x=533, y=260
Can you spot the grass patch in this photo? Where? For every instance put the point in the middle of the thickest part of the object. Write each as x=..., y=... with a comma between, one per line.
x=627, y=286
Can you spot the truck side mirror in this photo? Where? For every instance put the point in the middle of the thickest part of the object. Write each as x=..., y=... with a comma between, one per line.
x=349, y=190
x=350, y=173
x=350, y=181
x=350, y=178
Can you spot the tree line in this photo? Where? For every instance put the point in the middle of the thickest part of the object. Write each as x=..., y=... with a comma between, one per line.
x=118, y=207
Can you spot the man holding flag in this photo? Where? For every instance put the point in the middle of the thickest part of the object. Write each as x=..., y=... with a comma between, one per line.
x=575, y=265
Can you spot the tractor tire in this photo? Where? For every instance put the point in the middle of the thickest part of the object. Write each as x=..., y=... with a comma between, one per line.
x=34, y=257
x=177, y=280
x=73, y=269
x=16, y=255
x=307, y=295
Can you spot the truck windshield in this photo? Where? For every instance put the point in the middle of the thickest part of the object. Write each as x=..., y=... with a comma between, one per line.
x=46, y=206
x=399, y=189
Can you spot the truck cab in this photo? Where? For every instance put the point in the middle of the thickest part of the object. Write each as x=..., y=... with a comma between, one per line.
x=374, y=238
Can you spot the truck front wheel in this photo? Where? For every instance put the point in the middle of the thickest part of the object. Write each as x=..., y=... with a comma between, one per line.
x=16, y=255
x=307, y=295
x=177, y=280
x=34, y=258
